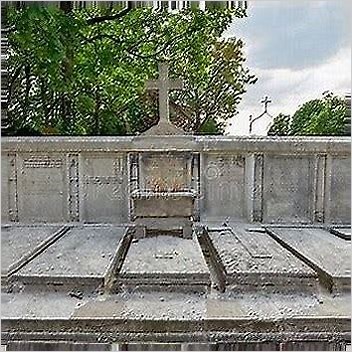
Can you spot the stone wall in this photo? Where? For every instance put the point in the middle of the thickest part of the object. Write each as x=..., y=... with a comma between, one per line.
x=86, y=179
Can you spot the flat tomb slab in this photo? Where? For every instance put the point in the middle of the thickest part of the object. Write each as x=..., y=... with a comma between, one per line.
x=83, y=254
x=20, y=243
x=254, y=258
x=164, y=260
x=343, y=232
x=323, y=249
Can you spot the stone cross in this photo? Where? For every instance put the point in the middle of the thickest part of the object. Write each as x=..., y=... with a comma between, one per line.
x=164, y=85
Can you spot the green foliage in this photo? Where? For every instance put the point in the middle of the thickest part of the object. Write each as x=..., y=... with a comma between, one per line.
x=321, y=117
x=72, y=76
x=280, y=126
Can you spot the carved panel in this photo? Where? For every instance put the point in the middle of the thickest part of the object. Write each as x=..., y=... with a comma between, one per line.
x=288, y=194
x=162, y=172
x=42, y=191
x=103, y=187
x=338, y=189
x=224, y=185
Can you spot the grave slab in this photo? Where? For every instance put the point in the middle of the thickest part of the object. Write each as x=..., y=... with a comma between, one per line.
x=164, y=260
x=343, y=232
x=20, y=243
x=83, y=256
x=329, y=254
x=251, y=258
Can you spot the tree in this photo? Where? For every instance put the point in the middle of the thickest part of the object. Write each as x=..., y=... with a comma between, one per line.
x=83, y=71
x=321, y=117
x=280, y=126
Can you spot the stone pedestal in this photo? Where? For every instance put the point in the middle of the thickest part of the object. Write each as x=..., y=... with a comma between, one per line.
x=163, y=198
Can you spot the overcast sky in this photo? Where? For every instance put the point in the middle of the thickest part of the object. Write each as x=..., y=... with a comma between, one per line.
x=298, y=49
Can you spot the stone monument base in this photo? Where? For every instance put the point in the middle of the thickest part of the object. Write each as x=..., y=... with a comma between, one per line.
x=157, y=213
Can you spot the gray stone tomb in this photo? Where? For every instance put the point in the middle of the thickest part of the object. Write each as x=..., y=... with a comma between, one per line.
x=162, y=194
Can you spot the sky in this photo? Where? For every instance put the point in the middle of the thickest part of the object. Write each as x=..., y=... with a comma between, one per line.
x=297, y=49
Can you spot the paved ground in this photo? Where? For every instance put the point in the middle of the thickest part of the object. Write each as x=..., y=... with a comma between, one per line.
x=247, y=253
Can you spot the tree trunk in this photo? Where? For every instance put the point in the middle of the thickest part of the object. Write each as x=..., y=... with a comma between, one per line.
x=66, y=6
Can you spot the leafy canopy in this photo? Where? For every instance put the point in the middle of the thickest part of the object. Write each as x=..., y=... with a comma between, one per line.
x=321, y=117
x=72, y=74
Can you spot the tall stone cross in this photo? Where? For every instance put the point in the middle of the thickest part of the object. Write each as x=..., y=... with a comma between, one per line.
x=164, y=85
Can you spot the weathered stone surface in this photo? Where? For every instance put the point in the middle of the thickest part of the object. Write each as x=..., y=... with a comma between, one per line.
x=288, y=188
x=84, y=253
x=103, y=187
x=162, y=189
x=343, y=232
x=42, y=180
x=254, y=259
x=163, y=204
x=305, y=144
x=39, y=304
x=164, y=85
x=20, y=243
x=329, y=253
x=146, y=305
x=338, y=189
x=237, y=192
x=164, y=260
x=224, y=185
x=56, y=346
x=263, y=179
x=165, y=172
x=5, y=170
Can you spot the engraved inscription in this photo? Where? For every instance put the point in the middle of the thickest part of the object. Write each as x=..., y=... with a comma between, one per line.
x=219, y=166
x=165, y=173
x=45, y=161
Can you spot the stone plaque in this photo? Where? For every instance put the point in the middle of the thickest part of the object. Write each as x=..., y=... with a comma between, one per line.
x=338, y=189
x=103, y=183
x=42, y=187
x=170, y=172
x=288, y=185
x=224, y=185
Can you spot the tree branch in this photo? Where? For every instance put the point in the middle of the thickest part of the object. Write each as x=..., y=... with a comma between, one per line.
x=120, y=14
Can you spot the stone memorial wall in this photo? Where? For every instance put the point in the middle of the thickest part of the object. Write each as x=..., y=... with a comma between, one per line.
x=87, y=179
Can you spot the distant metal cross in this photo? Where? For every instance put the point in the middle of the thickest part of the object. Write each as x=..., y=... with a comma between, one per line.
x=164, y=85
x=266, y=101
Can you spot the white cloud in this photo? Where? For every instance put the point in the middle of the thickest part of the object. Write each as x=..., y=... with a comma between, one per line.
x=290, y=88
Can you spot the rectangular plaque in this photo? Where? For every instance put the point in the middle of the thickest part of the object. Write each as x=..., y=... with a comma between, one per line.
x=103, y=187
x=42, y=162
x=42, y=187
x=224, y=185
x=165, y=172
